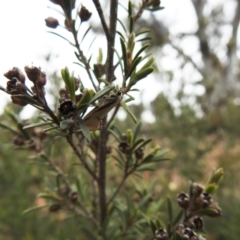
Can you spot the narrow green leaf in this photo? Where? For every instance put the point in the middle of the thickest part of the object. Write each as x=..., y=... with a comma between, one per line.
x=140, y=75
x=170, y=210
x=137, y=130
x=5, y=126
x=124, y=54
x=153, y=226
x=136, y=143
x=84, y=129
x=178, y=217
x=85, y=34
x=155, y=9
x=133, y=67
x=120, y=34
x=85, y=99
x=115, y=135
x=62, y=38
x=144, y=39
x=49, y=129
x=125, y=30
x=79, y=64
x=126, y=108
x=34, y=209
x=69, y=81
x=90, y=45
x=160, y=154
x=48, y=196
x=119, y=60
x=144, y=143
x=146, y=167
x=142, y=31
x=101, y=93
x=37, y=125
x=149, y=63
x=129, y=8
x=141, y=50
x=131, y=23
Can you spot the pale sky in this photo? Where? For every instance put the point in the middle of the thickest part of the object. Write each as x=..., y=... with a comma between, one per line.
x=25, y=40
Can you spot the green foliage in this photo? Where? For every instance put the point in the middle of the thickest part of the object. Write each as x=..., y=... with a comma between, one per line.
x=106, y=187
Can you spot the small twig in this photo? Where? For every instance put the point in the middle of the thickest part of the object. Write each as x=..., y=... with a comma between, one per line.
x=102, y=18
x=118, y=188
x=79, y=155
x=140, y=10
x=113, y=115
x=83, y=58
x=71, y=207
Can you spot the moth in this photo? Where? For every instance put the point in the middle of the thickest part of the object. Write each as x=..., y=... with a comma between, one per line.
x=94, y=117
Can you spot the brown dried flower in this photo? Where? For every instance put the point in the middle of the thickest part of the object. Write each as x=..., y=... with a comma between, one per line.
x=84, y=14
x=51, y=22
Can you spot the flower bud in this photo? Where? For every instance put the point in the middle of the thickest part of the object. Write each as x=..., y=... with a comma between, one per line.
x=18, y=140
x=15, y=73
x=161, y=234
x=124, y=147
x=206, y=199
x=84, y=14
x=54, y=207
x=198, y=223
x=51, y=22
x=67, y=108
x=183, y=200
x=18, y=101
x=139, y=153
x=32, y=73
x=73, y=197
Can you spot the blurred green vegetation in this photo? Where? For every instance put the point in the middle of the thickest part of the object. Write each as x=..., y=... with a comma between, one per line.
x=198, y=145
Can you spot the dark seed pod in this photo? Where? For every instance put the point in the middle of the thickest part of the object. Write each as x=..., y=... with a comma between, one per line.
x=51, y=22
x=67, y=108
x=84, y=14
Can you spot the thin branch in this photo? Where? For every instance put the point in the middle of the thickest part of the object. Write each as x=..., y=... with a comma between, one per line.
x=80, y=157
x=102, y=155
x=102, y=18
x=111, y=40
x=118, y=188
x=113, y=115
x=83, y=58
x=140, y=10
x=88, y=215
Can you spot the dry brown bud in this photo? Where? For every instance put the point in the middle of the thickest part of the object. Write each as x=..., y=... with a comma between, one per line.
x=84, y=14
x=54, y=207
x=124, y=147
x=139, y=153
x=18, y=101
x=18, y=140
x=73, y=197
x=41, y=80
x=51, y=22
x=67, y=108
x=32, y=73
x=15, y=73
x=183, y=200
